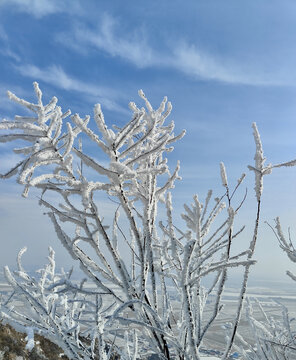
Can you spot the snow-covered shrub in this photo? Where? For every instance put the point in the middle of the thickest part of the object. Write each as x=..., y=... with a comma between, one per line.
x=145, y=291
x=274, y=339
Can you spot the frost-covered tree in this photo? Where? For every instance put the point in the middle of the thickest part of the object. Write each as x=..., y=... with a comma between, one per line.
x=147, y=288
x=274, y=339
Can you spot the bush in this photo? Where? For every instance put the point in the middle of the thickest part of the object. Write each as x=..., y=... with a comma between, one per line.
x=147, y=291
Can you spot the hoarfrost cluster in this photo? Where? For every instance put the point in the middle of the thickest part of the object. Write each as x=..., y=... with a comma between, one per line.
x=126, y=305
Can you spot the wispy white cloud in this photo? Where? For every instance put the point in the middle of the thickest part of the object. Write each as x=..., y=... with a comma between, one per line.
x=5, y=46
x=182, y=56
x=3, y=34
x=7, y=52
x=133, y=47
x=56, y=76
x=194, y=62
x=40, y=8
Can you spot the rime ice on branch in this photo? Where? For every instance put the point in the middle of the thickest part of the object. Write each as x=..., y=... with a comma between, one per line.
x=275, y=338
x=128, y=306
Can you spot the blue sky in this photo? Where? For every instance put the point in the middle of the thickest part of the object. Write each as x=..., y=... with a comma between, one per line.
x=222, y=64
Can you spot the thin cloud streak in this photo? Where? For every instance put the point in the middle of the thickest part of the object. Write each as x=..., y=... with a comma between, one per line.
x=56, y=76
x=193, y=62
x=41, y=8
x=182, y=56
x=132, y=48
x=5, y=47
x=3, y=34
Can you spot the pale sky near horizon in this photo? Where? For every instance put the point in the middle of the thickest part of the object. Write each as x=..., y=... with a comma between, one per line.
x=223, y=65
